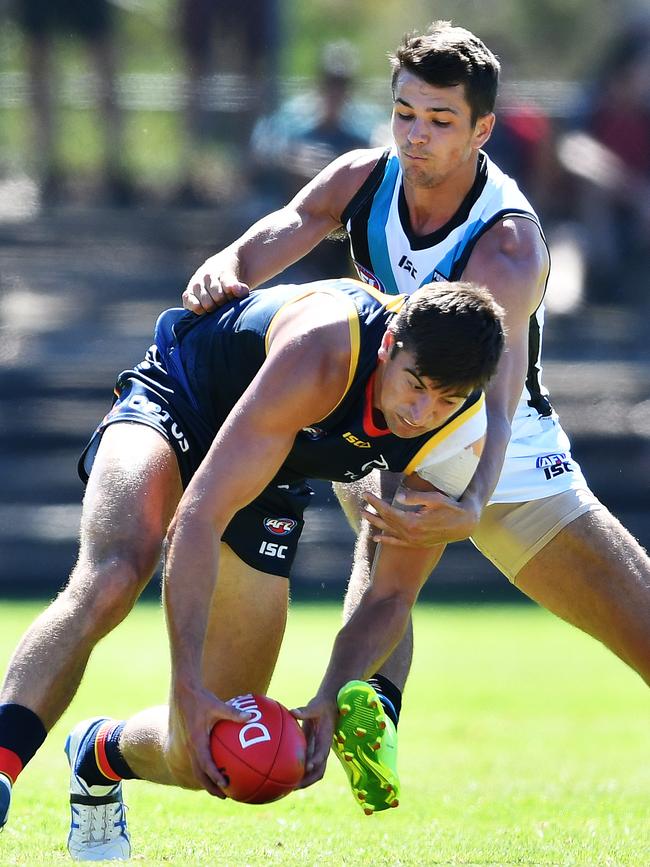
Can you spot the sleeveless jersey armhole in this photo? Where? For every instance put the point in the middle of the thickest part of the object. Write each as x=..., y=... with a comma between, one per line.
x=367, y=188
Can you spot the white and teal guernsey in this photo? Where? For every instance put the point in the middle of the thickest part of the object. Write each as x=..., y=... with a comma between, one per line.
x=390, y=256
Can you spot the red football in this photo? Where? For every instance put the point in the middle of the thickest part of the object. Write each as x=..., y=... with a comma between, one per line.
x=264, y=758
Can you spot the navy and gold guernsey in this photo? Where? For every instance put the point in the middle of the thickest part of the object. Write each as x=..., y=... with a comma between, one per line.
x=199, y=366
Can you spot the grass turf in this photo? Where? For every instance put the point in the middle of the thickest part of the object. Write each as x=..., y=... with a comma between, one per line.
x=521, y=742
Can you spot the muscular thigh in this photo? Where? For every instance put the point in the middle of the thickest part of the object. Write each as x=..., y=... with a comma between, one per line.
x=511, y=534
x=247, y=622
x=132, y=493
x=595, y=575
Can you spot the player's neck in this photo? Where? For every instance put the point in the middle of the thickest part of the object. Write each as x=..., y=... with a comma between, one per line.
x=431, y=208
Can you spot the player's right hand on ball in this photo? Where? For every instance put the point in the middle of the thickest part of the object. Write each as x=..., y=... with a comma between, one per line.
x=198, y=710
x=212, y=285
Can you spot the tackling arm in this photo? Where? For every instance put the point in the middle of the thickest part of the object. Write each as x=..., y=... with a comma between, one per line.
x=511, y=260
x=280, y=238
x=369, y=636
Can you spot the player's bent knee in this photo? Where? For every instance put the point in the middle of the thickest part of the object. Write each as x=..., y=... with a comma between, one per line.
x=106, y=592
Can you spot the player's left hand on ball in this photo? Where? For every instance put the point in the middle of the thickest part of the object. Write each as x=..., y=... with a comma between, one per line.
x=199, y=710
x=318, y=720
x=420, y=519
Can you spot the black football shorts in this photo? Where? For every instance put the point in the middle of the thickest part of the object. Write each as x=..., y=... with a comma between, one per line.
x=265, y=533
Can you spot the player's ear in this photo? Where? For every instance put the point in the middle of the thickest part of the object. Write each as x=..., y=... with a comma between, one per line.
x=387, y=343
x=483, y=129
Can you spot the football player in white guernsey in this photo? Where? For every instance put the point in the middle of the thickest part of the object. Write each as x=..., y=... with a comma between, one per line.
x=435, y=207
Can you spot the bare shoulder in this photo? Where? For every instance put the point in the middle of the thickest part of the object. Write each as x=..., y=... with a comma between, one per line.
x=333, y=188
x=519, y=238
x=512, y=260
x=358, y=163
x=315, y=332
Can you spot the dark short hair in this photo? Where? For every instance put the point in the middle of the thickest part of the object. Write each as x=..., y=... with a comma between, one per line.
x=446, y=56
x=455, y=333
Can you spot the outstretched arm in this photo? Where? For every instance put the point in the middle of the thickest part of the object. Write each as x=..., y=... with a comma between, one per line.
x=280, y=238
x=368, y=637
x=300, y=382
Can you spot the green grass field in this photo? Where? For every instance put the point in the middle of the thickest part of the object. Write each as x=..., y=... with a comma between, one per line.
x=522, y=742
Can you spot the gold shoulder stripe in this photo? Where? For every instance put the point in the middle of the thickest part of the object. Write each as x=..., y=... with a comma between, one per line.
x=353, y=326
x=445, y=432
x=393, y=303
x=355, y=343
x=309, y=290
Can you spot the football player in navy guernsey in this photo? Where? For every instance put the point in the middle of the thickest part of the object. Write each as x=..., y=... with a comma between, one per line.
x=435, y=207
x=237, y=409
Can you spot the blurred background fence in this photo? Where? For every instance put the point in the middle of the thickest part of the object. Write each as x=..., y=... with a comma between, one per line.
x=134, y=145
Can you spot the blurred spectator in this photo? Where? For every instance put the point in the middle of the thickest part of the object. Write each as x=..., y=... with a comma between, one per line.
x=523, y=142
x=611, y=157
x=239, y=43
x=92, y=21
x=524, y=145
x=289, y=148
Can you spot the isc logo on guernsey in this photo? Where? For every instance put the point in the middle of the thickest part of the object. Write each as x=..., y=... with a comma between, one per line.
x=360, y=444
x=254, y=731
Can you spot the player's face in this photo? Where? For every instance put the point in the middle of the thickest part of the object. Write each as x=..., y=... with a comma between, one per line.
x=433, y=131
x=411, y=404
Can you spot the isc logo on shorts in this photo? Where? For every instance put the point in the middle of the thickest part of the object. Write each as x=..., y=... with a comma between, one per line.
x=272, y=549
x=278, y=527
x=554, y=465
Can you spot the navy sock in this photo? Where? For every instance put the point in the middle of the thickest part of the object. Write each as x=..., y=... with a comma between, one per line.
x=100, y=762
x=389, y=695
x=21, y=735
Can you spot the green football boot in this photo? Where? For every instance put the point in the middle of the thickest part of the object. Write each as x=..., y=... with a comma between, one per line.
x=365, y=741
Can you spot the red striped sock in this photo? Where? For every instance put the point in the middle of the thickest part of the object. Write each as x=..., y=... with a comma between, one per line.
x=10, y=764
x=101, y=738
x=21, y=734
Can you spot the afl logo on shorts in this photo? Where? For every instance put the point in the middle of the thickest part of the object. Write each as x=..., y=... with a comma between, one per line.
x=554, y=465
x=550, y=460
x=280, y=526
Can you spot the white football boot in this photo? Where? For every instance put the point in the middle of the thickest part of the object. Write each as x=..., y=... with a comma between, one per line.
x=98, y=825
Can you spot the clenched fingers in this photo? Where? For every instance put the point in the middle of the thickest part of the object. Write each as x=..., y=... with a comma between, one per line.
x=206, y=292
